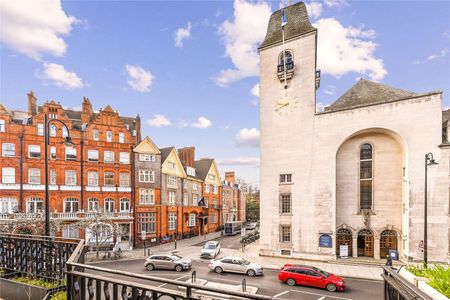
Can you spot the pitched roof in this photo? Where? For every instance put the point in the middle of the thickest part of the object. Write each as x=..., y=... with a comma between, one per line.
x=202, y=167
x=445, y=116
x=165, y=153
x=366, y=92
x=297, y=24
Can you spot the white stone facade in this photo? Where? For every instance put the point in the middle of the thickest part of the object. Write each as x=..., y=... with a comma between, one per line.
x=321, y=151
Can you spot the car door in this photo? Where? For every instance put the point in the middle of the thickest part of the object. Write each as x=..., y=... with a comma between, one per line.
x=314, y=279
x=301, y=276
x=226, y=265
x=238, y=266
x=156, y=261
x=167, y=262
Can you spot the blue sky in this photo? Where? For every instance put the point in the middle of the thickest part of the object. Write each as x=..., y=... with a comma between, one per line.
x=197, y=90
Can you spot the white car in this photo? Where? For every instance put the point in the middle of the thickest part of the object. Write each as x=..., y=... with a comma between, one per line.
x=210, y=250
x=235, y=264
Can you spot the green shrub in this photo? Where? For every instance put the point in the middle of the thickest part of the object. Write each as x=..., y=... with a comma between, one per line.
x=438, y=276
x=38, y=282
x=62, y=295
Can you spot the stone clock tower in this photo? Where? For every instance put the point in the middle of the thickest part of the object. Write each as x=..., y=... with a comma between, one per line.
x=288, y=85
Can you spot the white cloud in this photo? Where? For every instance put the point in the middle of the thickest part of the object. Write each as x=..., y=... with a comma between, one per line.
x=60, y=76
x=314, y=9
x=434, y=56
x=248, y=137
x=320, y=107
x=347, y=49
x=159, y=121
x=335, y=3
x=239, y=161
x=139, y=79
x=242, y=36
x=35, y=28
x=330, y=90
x=202, y=123
x=255, y=90
x=182, y=34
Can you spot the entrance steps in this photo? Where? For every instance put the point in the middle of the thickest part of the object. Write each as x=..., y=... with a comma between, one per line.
x=363, y=261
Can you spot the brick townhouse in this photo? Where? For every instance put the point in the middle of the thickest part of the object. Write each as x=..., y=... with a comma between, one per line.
x=233, y=199
x=94, y=174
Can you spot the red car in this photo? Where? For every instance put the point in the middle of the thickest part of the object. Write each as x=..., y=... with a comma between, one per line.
x=310, y=276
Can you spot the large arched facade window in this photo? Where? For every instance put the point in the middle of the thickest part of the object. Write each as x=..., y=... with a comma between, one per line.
x=366, y=177
x=288, y=55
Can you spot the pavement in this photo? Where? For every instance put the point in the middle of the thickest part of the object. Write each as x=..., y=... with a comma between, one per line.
x=231, y=246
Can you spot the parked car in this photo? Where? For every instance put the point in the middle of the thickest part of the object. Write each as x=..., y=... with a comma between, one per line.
x=210, y=250
x=310, y=276
x=167, y=261
x=250, y=226
x=235, y=264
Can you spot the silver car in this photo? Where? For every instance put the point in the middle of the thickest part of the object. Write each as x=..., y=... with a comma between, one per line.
x=168, y=262
x=235, y=264
x=210, y=250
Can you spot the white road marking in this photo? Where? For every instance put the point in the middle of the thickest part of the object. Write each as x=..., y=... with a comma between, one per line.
x=321, y=298
x=280, y=294
x=179, y=278
x=326, y=296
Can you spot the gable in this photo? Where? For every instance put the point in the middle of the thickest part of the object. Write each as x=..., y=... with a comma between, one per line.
x=147, y=146
x=214, y=172
x=173, y=160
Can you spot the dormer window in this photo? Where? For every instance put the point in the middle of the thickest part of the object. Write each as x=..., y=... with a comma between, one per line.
x=285, y=59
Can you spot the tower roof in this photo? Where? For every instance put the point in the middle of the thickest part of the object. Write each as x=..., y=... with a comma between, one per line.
x=365, y=93
x=297, y=24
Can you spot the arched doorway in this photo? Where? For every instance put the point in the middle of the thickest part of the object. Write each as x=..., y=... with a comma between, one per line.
x=365, y=243
x=388, y=240
x=344, y=237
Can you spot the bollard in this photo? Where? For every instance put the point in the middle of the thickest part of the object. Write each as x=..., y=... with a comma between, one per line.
x=194, y=276
x=175, y=244
x=149, y=252
x=244, y=285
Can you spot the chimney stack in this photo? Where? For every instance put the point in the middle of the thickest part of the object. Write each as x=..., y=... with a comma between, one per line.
x=86, y=110
x=187, y=156
x=229, y=177
x=32, y=104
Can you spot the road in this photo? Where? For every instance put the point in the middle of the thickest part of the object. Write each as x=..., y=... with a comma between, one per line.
x=267, y=285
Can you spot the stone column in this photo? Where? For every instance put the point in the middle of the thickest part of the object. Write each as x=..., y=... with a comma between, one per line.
x=355, y=246
x=376, y=246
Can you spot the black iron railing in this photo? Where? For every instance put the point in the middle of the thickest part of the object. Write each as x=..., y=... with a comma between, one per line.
x=39, y=256
x=398, y=288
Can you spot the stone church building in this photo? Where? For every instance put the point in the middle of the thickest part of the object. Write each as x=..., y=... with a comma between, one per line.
x=354, y=174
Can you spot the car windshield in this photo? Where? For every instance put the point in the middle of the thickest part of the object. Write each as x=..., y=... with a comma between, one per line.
x=175, y=257
x=210, y=246
x=322, y=272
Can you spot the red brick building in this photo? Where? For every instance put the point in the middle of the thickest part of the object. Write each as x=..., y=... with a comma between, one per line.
x=95, y=174
x=233, y=199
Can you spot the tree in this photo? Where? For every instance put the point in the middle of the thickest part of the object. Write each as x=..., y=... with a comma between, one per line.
x=29, y=223
x=252, y=211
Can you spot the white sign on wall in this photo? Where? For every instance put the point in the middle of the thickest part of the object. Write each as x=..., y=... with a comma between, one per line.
x=144, y=235
x=343, y=250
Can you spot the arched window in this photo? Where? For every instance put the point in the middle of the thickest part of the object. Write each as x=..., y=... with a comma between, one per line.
x=70, y=205
x=124, y=205
x=365, y=177
x=109, y=205
x=288, y=55
x=8, y=205
x=34, y=205
x=52, y=130
x=93, y=204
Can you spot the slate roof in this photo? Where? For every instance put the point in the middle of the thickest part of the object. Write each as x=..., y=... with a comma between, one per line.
x=297, y=24
x=165, y=153
x=365, y=93
x=202, y=167
x=445, y=116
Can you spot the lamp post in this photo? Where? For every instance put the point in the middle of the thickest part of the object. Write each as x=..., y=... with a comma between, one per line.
x=67, y=142
x=429, y=161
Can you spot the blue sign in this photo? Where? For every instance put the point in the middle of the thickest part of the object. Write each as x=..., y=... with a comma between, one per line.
x=326, y=241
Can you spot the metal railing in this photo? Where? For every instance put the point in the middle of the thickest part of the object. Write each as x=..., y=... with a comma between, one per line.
x=35, y=255
x=289, y=66
x=398, y=288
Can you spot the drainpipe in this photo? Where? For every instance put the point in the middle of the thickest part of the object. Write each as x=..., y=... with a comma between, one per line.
x=182, y=208
x=82, y=171
x=160, y=199
x=133, y=195
x=20, y=206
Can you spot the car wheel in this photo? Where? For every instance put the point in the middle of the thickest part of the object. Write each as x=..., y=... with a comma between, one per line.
x=178, y=268
x=218, y=270
x=331, y=287
x=291, y=282
x=251, y=273
x=150, y=267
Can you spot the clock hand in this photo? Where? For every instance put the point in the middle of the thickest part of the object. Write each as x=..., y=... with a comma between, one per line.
x=281, y=105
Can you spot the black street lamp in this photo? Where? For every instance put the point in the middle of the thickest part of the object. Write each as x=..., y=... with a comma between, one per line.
x=67, y=142
x=429, y=161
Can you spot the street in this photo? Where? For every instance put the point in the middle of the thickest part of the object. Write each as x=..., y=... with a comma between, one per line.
x=268, y=284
